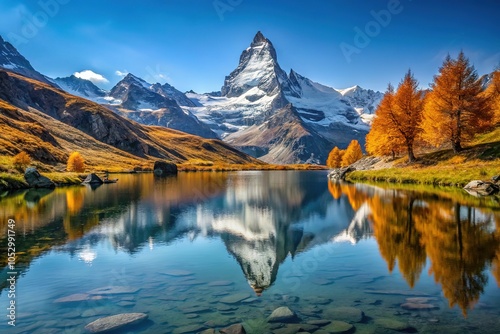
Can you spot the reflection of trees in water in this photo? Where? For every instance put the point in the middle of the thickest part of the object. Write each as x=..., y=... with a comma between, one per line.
x=460, y=246
x=459, y=240
x=397, y=237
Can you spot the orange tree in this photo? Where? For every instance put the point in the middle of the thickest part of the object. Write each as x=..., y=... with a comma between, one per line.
x=75, y=163
x=456, y=109
x=396, y=125
x=352, y=154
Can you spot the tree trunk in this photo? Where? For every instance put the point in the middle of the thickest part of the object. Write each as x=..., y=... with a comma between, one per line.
x=411, y=156
x=457, y=147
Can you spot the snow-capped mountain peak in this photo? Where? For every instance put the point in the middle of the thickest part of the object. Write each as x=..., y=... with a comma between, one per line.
x=11, y=59
x=258, y=67
x=80, y=87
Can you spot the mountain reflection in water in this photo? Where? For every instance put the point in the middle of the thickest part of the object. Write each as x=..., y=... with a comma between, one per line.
x=262, y=218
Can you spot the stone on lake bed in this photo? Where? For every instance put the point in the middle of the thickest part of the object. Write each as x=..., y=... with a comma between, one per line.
x=392, y=324
x=282, y=314
x=339, y=327
x=189, y=329
x=115, y=322
x=233, y=329
x=419, y=307
x=420, y=300
x=220, y=283
x=176, y=273
x=209, y=331
x=77, y=297
x=114, y=290
x=319, y=322
x=234, y=299
x=347, y=314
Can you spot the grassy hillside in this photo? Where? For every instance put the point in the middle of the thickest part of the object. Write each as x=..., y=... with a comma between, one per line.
x=49, y=124
x=479, y=161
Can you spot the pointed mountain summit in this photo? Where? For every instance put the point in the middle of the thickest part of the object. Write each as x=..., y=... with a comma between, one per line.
x=283, y=118
x=80, y=87
x=11, y=59
x=258, y=71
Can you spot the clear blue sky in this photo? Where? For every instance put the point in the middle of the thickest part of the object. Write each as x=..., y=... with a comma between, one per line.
x=194, y=44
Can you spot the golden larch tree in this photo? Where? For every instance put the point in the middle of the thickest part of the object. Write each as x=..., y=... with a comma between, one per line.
x=396, y=126
x=21, y=160
x=409, y=105
x=76, y=163
x=383, y=138
x=493, y=93
x=335, y=158
x=352, y=154
x=455, y=109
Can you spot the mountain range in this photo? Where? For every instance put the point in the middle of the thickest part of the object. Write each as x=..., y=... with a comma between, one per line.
x=261, y=110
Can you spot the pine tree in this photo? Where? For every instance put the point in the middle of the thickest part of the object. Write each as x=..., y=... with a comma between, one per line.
x=335, y=158
x=352, y=154
x=456, y=109
x=75, y=163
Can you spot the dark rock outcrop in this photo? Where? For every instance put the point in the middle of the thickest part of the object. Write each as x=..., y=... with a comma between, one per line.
x=92, y=179
x=163, y=168
x=35, y=180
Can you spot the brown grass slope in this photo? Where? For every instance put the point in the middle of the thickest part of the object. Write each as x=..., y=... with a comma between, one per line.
x=48, y=123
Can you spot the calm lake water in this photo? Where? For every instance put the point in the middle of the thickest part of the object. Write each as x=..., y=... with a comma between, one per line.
x=207, y=250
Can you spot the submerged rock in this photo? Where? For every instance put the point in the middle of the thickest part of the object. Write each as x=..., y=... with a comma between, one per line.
x=233, y=329
x=77, y=297
x=189, y=329
x=392, y=324
x=236, y=298
x=113, y=290
x=115, y=322
x=419, y=307
x=347, y=314
x=35, y=180
x=339, y=327
x=282, y=314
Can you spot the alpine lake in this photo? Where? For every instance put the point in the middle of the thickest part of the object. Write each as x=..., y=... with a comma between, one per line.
x=201, y=251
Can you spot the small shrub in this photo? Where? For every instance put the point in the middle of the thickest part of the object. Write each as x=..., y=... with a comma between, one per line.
x=75, y=163
x=21, y=160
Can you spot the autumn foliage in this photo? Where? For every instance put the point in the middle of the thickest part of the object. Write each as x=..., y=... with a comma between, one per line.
x=456, y=108
x=75, y=163
x=335, y=158
x=396, y=126
x=21, y=160
x=493, y=94
x=453, y=112
x=352, y=154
